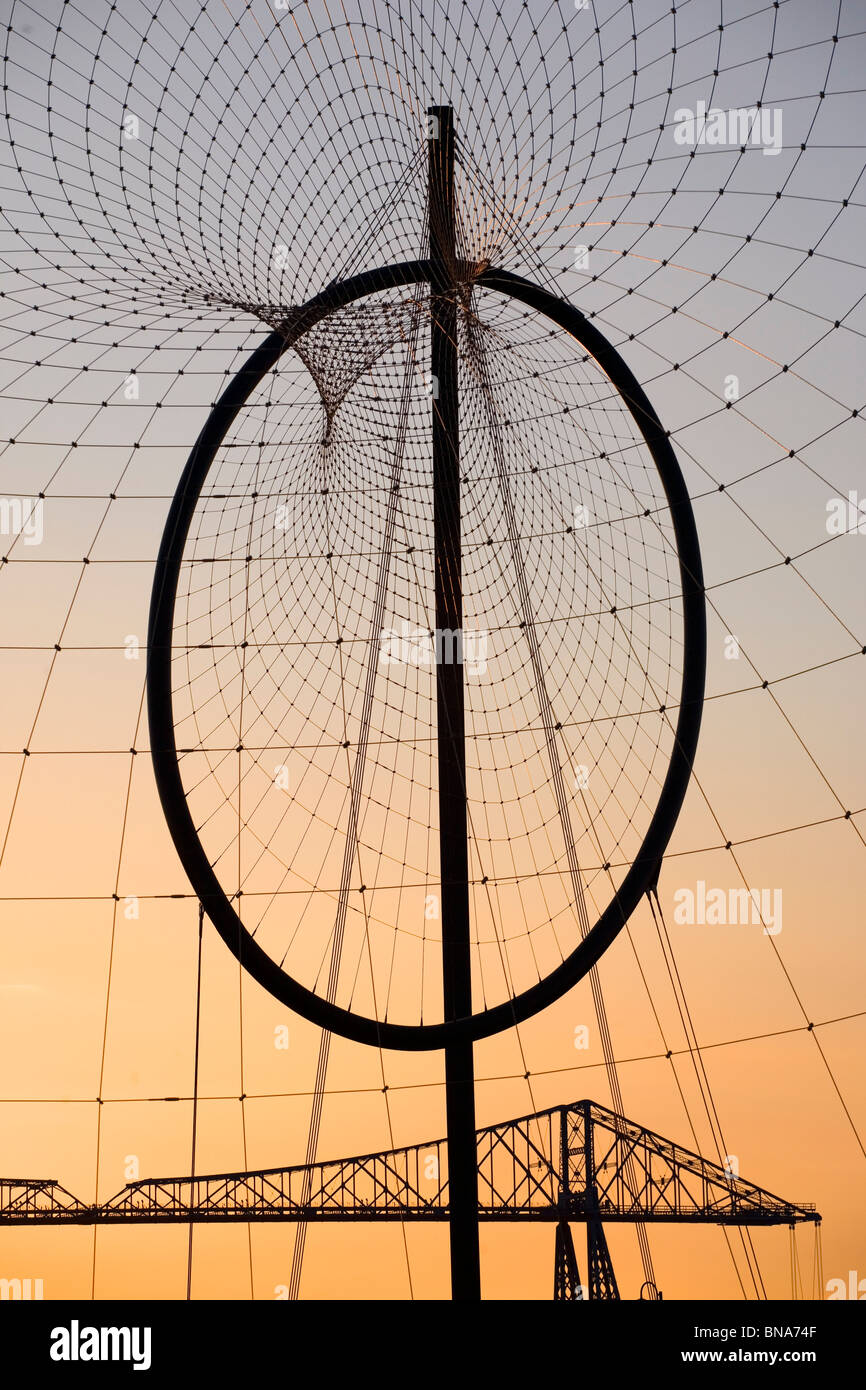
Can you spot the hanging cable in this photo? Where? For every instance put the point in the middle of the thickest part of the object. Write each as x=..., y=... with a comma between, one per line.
x=195, y=1093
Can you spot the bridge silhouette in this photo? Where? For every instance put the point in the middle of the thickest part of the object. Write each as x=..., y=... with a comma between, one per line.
x=578, y=1163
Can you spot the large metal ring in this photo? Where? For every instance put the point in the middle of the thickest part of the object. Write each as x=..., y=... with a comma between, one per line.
x=644, y=870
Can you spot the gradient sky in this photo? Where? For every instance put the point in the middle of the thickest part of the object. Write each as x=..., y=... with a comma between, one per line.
x=97, y=1005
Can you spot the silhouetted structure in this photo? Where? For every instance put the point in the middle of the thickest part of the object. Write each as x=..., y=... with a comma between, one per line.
x=572, y=1163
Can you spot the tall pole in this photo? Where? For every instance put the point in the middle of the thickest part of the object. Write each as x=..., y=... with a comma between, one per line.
x=451, y=750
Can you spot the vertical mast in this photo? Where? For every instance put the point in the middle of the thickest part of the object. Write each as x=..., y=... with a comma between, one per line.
x=451, y=751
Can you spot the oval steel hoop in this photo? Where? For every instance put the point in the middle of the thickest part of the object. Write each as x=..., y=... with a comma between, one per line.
x=643, y=873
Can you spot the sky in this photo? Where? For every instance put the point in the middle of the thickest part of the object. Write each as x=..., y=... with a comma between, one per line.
x=271, y=152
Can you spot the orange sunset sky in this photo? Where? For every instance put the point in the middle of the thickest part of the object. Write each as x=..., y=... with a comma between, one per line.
x=154, y=260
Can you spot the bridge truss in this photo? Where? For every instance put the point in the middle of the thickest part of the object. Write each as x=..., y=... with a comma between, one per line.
x=571, y=1163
